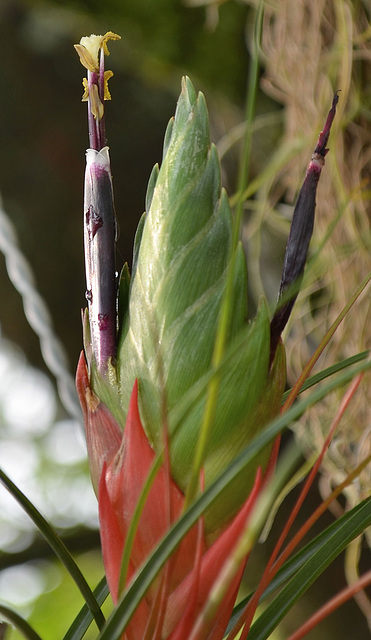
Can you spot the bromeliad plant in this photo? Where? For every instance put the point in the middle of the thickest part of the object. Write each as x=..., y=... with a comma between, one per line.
x=153, y=370
x=183, y=398
x=176, y=382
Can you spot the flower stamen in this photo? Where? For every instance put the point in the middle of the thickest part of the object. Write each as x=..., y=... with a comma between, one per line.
x=91, y=51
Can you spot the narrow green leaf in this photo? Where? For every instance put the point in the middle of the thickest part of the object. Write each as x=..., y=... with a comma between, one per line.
x=19, y=623
x=326, y=373
x=292, y=566
x=58, y=547
x=316, y=563
x=84, y=618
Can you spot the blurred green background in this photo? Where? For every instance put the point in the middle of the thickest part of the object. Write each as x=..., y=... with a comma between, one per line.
x=43, y=135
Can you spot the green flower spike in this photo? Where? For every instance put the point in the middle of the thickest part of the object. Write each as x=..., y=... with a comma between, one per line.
x=168, y=316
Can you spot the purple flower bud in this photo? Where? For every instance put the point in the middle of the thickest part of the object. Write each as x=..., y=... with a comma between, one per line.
x=99, y=242
x=300, y=234
x=99, y=211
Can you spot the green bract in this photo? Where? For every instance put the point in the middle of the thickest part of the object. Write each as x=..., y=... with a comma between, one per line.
x=168, y=314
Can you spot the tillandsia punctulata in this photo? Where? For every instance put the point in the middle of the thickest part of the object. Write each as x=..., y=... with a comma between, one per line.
x=99, y=213
x=149, y=409
x=167, y=318
x=300, y=234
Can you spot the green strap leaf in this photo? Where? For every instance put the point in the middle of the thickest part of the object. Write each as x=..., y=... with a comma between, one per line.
x=326, y=373
x=84, y=618
x=19, y=623
x=339, y=538
x=58, y=547
x=292, y=566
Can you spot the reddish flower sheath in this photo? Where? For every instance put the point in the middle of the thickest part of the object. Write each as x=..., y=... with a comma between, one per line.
x=120, y=464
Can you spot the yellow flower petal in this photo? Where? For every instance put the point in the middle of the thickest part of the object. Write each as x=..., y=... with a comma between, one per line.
x=89, y=47
x=109, y=36
x=97, y=107
x=86, y=58
x=86, y=90
x=107, y=75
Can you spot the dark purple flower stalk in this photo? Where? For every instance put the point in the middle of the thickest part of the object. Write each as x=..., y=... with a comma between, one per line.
x=300, y=234
x=99, y=212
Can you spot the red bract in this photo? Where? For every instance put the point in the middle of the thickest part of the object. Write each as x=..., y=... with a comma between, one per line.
x=103, y=435
x=123, y=461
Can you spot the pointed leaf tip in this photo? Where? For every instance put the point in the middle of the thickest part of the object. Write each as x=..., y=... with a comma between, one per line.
x=103, y=435
x=151, y=186
x=189, y=89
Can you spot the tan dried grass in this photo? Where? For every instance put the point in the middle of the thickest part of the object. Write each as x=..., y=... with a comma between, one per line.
x=311, y=49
